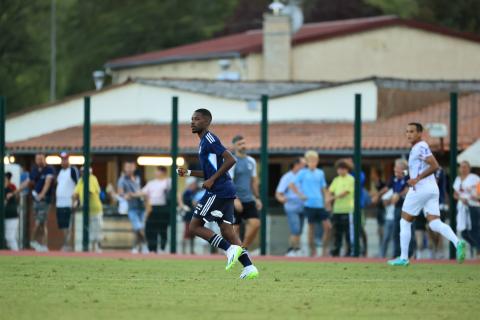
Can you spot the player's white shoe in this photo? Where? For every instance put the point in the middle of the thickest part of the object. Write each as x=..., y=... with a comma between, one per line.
x=233, y=253
x=135, y=250
x=250, y=272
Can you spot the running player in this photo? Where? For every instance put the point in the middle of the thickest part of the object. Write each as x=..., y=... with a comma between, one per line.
x=217, y=203
x=422, y=194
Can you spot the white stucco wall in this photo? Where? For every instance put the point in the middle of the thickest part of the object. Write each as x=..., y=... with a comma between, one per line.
x=135, y=103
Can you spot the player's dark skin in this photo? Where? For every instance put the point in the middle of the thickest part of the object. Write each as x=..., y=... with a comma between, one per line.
x=199, y=125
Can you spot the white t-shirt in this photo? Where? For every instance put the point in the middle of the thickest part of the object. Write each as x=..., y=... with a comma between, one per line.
x=65, y=188
x=467, y=188
x=417, y=164
x=157, y=191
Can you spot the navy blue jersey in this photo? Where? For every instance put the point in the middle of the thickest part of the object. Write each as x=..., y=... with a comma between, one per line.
x=210, y=153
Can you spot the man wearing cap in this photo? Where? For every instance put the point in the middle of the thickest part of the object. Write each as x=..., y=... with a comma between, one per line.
x=66, y=181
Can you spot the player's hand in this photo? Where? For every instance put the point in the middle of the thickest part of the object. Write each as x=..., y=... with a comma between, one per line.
x=412, y=182
x=182, y=172
x=238, y=205
x=303, y=197
x=208, y=184
x=258, y=204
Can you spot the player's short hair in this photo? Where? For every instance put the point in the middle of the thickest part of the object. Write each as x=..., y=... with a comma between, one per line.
x=417, y=125
x=204, y=112
x=311, y=154
x=237, y=138
x=8, y=175
x=342, y=164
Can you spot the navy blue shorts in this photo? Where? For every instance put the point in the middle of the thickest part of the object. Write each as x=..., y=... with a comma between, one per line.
x=63, y=217
x=315, y=214
x=210, y=208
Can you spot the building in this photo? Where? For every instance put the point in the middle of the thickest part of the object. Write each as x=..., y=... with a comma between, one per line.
x=343, y=50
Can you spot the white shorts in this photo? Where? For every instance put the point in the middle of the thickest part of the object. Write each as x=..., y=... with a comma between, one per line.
x=95, y=228
x=416, y=200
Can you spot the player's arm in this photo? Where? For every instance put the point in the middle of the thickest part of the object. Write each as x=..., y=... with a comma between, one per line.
x=228, y=162
x=183, y=172
x=433, y=167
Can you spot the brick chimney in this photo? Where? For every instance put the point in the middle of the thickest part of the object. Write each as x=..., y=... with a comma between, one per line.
x=277, y=47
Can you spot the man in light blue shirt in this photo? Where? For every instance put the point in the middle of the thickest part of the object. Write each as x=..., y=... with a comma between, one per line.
x=293, y=206
x=310, y=185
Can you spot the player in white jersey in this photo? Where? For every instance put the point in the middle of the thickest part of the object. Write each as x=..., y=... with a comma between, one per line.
x=422, y=194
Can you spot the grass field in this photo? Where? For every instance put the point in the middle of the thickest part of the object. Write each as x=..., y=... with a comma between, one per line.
x=96, y=288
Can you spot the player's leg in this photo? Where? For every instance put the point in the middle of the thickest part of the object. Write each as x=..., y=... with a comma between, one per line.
x=413, y=204
x=251, y=230
x=432, y=209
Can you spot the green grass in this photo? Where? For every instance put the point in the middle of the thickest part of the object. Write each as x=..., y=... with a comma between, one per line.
x=78, y=288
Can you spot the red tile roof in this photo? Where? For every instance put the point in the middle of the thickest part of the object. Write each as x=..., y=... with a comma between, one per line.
x=251, y=41
x=283, y=137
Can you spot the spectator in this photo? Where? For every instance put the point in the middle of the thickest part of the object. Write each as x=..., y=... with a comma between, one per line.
x=156, y=191
x=129, y=188
x=11, y=213
x=187, y=204
x=310, y=185
x=380, y=210
x=468, y=206
x=41, y=179
x=292, y=205
x=66, y=181
x=247, y=203
x=342, y=189
x=389, y=204
x=398, y=183
x=95, y=209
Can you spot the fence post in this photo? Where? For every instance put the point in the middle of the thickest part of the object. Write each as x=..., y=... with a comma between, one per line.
x=357, y=157
x=173, y=192
x=453, y=164
x=2, y=171
x=264, y=176
x=86, y=171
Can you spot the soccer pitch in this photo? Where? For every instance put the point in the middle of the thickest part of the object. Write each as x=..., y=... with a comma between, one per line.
x=108, y=288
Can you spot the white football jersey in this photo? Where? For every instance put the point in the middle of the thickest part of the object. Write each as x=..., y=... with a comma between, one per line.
x=417, y=164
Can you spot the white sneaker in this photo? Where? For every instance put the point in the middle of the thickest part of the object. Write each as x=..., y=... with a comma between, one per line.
x=135, y=250
x=42, y=248
x=145, y=249
x=233, y=253
x=250, y=272
x=35, y=245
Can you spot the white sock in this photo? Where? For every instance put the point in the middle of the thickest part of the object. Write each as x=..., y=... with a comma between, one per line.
x=405, y=236
x=444, y=229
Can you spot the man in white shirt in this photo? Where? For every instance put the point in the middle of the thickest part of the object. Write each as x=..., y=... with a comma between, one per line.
x=66, y=181
x=422, y=194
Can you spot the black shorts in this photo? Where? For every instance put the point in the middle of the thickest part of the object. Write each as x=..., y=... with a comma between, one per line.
x=316, y=214
x=210, y=208
x=63, y=217
x=249, y=212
